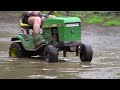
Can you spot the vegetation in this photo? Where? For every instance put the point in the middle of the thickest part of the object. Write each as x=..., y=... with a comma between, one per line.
x=104, y=20
x=118, y=75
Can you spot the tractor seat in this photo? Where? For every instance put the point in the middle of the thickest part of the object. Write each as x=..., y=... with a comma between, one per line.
x=25, y=26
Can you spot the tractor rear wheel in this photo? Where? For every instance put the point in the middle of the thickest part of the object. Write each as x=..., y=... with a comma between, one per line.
x=16, y=50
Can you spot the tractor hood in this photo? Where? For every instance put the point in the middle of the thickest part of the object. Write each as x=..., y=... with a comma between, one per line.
x=61, y=20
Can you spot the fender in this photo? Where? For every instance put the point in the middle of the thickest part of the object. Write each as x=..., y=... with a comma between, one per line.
x=26, y=40
x=19, y=38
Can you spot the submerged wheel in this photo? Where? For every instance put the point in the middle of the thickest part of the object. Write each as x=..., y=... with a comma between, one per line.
x=86, y=53
x=51, y=54
x=16, y=50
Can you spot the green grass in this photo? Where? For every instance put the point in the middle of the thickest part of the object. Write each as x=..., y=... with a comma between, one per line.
x=118, y=75
x=94, y=20
x=103, y=20
x=112, y=23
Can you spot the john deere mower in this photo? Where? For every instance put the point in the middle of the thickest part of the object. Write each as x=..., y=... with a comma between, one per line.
x=59, y=34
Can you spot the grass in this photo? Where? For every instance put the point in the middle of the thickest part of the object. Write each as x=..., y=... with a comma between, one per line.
x=112, y=23
x=103, y=20
x=94, y=20
x=118, y=75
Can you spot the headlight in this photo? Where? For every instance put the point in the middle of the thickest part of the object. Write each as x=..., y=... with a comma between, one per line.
x=72, y=24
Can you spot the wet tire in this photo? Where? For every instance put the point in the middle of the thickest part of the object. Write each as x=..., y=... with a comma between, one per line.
x=51, y=54
x=86, y=53
x=16, y=50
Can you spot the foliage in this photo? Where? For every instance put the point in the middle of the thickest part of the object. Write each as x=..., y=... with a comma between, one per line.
x=95, y=19
x=112, y=23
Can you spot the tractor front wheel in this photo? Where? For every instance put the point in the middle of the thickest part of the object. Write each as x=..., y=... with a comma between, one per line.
x=51, y=54
x=86, y=53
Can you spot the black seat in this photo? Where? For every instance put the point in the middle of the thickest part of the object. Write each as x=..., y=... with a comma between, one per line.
x=25, y=26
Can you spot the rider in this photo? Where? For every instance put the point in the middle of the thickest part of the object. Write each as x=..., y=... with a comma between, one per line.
x=36, y=19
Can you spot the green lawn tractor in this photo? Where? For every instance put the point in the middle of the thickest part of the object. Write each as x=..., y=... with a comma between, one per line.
x=59, y=34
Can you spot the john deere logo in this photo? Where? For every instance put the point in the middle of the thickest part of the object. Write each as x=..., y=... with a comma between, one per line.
x=72, y=31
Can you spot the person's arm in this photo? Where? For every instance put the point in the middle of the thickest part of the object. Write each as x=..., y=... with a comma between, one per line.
x=49, y=15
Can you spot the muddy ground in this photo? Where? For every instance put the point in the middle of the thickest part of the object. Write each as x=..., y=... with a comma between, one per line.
x=105, y=42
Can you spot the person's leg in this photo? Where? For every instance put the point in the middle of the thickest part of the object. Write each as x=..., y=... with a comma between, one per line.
x=36, y=22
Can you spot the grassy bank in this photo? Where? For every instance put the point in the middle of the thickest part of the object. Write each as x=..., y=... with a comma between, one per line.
x=110, y=20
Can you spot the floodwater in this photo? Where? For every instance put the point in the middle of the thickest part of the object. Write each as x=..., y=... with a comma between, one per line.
x=105, y=42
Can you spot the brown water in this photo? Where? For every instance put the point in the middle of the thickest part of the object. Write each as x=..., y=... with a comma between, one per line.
x=105, y=42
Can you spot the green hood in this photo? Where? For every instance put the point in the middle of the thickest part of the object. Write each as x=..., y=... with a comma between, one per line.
x=61, y=20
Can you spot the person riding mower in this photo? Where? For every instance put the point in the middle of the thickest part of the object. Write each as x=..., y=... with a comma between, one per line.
x=59, y=34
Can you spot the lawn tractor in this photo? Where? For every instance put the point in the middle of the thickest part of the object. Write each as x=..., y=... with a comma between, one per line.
x=59, y=34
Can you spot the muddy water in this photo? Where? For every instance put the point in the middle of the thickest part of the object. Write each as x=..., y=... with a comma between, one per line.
x=105, y=42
